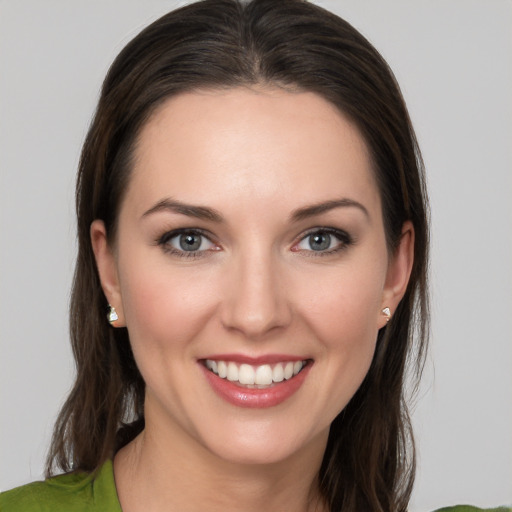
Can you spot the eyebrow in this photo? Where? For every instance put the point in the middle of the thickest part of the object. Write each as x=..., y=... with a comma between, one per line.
x=199, y=212
x=319, y=208
x=205, y=213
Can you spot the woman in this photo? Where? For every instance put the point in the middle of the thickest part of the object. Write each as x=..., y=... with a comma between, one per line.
x=251, y=220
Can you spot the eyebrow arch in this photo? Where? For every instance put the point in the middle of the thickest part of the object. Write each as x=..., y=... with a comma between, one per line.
x=199, y=212
x=317, y=209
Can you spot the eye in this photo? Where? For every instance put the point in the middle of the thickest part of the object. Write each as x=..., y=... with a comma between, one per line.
x=181, y=242
x=324, y=241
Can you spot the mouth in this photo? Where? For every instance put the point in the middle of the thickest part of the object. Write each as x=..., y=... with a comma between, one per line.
x=255, y=382
x=251, y=376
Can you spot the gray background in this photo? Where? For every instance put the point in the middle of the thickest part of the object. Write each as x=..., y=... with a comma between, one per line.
x=453, y=61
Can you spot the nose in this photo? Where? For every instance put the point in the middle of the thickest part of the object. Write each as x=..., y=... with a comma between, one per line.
x=255, y=299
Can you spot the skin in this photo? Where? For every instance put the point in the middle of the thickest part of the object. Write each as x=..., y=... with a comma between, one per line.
x=256, y=287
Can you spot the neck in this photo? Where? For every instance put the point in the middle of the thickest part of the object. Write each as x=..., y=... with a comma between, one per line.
x=158, y=476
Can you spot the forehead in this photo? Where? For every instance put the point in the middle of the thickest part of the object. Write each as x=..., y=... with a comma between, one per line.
x=244, y=144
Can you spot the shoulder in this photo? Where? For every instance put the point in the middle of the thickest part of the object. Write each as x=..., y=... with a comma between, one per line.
x=74, y=492
x=65, y=492
x=469, y=508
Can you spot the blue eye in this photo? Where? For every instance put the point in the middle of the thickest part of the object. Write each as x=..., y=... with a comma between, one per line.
x=324, y=241
x=319, y=241
x=182, y=242
x=189, y=242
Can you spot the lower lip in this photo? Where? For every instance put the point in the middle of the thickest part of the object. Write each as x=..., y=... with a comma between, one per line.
x=253, y=397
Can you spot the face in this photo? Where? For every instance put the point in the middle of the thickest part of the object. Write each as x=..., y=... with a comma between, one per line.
x=251, y=269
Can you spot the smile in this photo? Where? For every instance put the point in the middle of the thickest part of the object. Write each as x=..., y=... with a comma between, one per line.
x=256, y=376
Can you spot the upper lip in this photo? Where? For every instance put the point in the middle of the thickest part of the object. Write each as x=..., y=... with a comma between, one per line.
x=256, y=361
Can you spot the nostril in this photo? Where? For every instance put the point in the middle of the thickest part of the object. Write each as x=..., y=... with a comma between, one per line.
x=253, y=300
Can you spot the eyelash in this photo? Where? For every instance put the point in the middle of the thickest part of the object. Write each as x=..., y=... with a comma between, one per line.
x=344, y=239
x=164, y=240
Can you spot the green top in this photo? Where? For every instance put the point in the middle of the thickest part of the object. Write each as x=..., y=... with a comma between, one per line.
x=80, y=492
x=72, y=492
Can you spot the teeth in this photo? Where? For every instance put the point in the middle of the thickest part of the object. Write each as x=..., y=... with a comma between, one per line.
x=222, y=369
x=278, y=373
x=232, y=372
x=263, y=375
x=211, y=365
x=248, y=375
x=288, y=371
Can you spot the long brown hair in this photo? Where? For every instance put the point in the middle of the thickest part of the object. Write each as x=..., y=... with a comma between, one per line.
x=369, y=461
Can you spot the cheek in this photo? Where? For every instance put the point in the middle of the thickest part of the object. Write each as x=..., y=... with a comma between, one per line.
x=343, y=315
x=163, y=305
x=347, y=329
x=344, y=303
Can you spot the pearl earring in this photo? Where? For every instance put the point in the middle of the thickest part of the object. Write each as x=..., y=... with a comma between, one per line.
x=387, y=313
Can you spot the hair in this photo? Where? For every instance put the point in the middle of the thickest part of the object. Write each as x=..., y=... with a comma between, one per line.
x=369, y=461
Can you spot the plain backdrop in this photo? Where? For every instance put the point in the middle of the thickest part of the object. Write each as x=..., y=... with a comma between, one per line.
x=453, y=59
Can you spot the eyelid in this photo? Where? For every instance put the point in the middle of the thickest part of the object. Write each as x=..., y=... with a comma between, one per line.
x=164, y=240
x=171, y=233
x=344, y=238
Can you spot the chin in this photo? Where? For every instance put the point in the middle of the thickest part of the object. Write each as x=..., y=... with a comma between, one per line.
x=265, y=444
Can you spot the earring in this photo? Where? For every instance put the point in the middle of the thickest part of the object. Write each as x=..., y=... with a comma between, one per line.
x=387, y=313
x=112, y=315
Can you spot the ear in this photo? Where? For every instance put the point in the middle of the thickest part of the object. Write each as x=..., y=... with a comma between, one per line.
x=398, y=273
x=107, y=269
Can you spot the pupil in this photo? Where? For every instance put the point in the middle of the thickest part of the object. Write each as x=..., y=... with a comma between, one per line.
x=320, y=241
x=190, y=242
